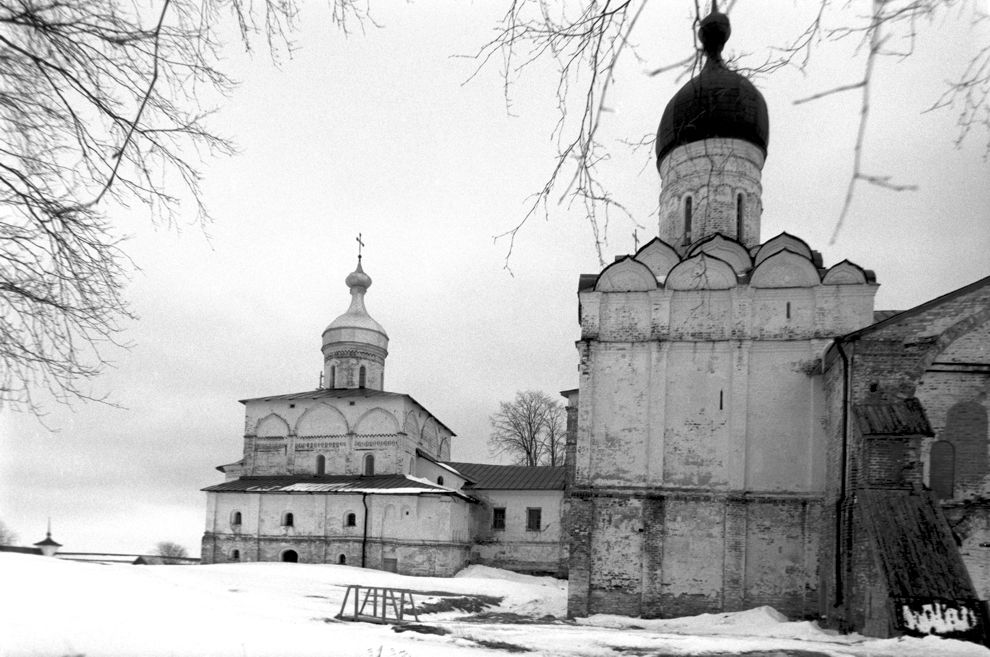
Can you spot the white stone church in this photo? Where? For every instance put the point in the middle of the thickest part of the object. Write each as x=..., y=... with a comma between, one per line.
x=352, y=474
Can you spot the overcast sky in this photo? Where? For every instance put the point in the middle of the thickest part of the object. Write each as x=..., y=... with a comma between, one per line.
x=381, y=134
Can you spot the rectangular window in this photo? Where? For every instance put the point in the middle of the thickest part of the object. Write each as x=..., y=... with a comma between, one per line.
x=534, y=519
x=498, y=518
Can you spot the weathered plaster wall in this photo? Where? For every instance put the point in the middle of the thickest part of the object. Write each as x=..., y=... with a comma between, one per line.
x=429, y=470
x=680, y=554
x=286, y=437
x=700, y=453
x=713, y=172
x=515, y=547
x=425, y=534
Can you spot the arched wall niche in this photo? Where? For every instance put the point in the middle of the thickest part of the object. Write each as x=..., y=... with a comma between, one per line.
x=727, y=249
x=322, y=420
x=942, y=469
x=785, y=269
x=626, y=275
x=376, y=421
x=272, y=426
x=966, y=428
x=658, y=256
x=430, y=436
x=411, y=424
x=701, y=272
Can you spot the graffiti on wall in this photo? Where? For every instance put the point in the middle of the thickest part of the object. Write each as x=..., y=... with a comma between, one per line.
x=957, y=618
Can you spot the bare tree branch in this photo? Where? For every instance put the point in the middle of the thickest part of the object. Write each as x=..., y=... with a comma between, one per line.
x=100, y=110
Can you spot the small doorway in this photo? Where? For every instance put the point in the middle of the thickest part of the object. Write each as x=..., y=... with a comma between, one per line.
x=290, y=556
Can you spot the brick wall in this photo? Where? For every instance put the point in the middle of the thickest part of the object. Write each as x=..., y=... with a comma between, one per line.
x=668, y=555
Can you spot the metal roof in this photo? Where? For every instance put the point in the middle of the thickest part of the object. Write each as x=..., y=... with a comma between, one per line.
x=327, y=393
x=396, y=484
x=910, y=312
x=918, y=557
x=881, y=315
x=511, y=477
x=344, y=393
x=900, y=418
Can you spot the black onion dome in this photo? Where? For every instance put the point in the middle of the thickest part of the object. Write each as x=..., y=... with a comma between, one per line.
x=717, y=102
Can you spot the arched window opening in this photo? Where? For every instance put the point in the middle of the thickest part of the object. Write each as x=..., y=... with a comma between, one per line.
x=350, y=520
x=361, y=377
x=369, y=464
x=942, y=470
x=333, y=376
x=688, y=218
x=235, y=518
x=342, y=559
x=288, y=520
x=966, y=427
x=235, y=555
x=290, y=556
x=440, y=480
x=321, y=465
x=740, y=210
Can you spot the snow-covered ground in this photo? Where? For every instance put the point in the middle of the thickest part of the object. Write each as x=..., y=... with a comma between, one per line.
x=60, y=608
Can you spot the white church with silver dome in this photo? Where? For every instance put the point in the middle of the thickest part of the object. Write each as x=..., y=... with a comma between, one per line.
x=352, y=474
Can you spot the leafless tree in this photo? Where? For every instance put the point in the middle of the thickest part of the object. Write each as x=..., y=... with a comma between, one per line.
x=587, y=39
x=7, y=535
x=530, y=429
x=555, y=435
x=171, y=553
x=102, y=107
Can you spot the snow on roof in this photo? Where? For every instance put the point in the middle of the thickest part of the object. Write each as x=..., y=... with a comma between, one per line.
x=396, y=484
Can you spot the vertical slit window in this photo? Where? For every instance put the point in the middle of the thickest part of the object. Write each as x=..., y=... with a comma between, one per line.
x=688, y=218
x=788, y=310
x=361, y=377
x=740, y=211
x=333, y=376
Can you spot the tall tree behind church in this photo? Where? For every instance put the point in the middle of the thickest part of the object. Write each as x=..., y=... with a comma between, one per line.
x=529, y=429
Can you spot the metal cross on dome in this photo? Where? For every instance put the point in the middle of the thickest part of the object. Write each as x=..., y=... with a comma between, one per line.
x=360, y=244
